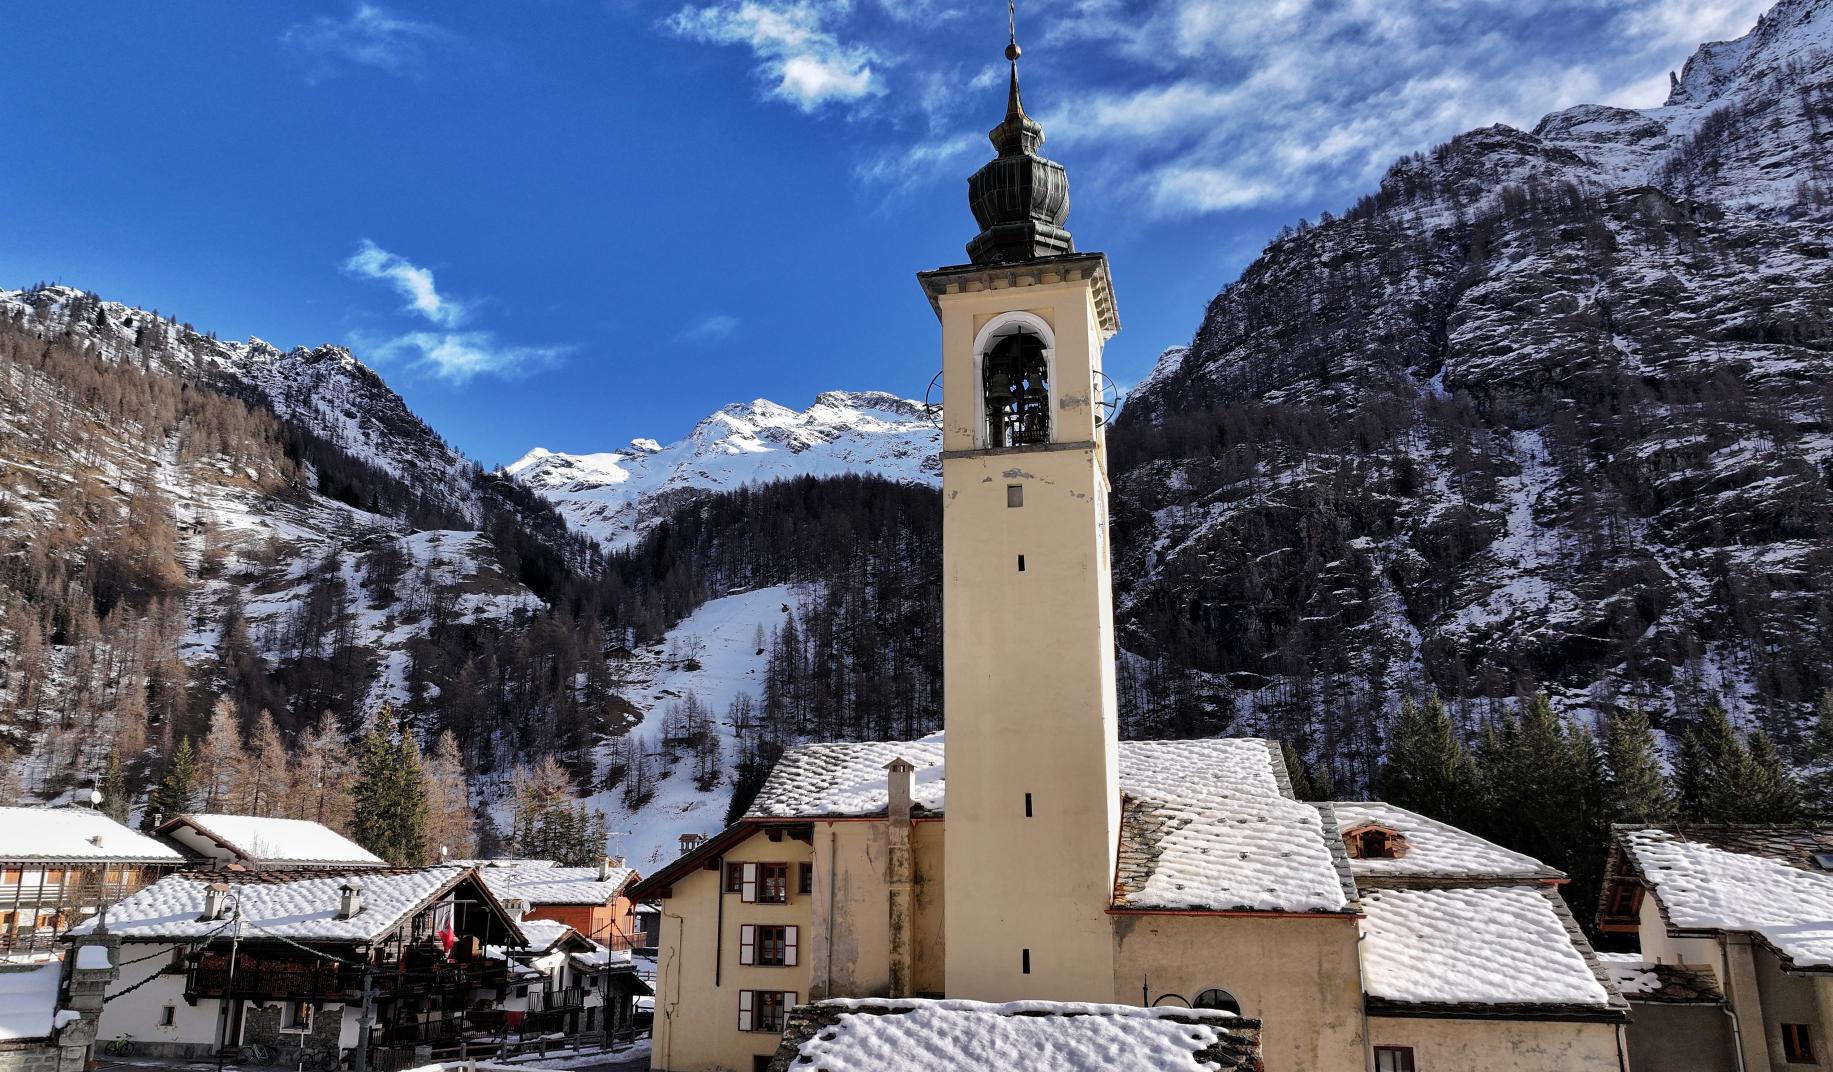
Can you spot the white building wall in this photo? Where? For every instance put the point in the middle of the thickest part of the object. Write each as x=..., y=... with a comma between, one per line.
x=136, y=1015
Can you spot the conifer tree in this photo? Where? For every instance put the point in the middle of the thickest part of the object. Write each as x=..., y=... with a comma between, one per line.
x=1295, y=770
x=449, y=819
x=1771, y=795
x=390, y=793
x=115, y=804
x=1817, y=780
x=1426, y=768
x=174, y=794
x=220, y=760
x=1721, y=780
x=1636, y=789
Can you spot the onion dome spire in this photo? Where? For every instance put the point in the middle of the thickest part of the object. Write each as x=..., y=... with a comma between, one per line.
x=1020, y=199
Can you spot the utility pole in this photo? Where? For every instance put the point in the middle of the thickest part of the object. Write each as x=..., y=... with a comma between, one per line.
x=367, y=1017
x=229, y=1001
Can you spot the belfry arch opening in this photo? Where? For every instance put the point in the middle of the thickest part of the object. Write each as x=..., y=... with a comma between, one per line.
x=1015, y=381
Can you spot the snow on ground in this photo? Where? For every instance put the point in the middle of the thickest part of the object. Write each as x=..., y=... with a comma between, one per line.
x=1497, y=945
x=721, y=638
x=1024, y=1036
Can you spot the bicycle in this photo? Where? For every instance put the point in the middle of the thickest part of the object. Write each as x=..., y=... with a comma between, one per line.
x=320, y=1060
x=119, y=1046
x=255, y=1053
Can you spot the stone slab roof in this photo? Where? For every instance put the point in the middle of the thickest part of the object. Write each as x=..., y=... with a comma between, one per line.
x=1436, y=851
x=1644, y=982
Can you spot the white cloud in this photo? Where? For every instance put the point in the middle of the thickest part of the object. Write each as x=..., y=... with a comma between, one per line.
x=458, y=356
x=793, y=46
x=446, y=354
x=371, y=36
x=714, y=328
x=413, y=282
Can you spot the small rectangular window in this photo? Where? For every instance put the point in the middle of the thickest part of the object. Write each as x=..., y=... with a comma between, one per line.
x=1797, y=1044
x=773, y=884
x=1027, y=805
x=1015, y=495
x=1021, y=563
x=805, y=879
x=1024, y=962
x=735, y=878
x=299, y=1016
x=1394, y=1059
x=168, y=1016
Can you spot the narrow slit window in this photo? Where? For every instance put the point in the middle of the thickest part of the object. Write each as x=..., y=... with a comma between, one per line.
x=1027, y=805
x=1021, y=563
x=1025, y=961
x=1015, y=495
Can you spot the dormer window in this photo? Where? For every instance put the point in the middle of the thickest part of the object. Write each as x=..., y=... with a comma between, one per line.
x=1372, y=841
x=1016, y=378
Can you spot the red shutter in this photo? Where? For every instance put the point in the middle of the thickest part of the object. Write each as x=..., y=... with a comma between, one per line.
x=744, y=1010
x=747, y=889
x=747, y=944
x=789, y=946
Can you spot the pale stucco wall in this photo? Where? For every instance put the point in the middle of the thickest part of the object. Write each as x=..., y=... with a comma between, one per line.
x=1297, y=975
x=1787, y=999
x=696, y=1025
x=1029, y=692
x=1680, y=1038
x=1501, y=1045
x=929, y=971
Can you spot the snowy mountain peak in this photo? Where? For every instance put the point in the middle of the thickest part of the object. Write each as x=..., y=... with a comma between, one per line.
x=615, y=496
x=1794, y=32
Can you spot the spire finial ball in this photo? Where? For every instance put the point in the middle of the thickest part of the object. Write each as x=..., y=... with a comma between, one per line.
x=1013, y=52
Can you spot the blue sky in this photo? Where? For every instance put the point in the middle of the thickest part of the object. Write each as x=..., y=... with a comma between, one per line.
x=568, y=224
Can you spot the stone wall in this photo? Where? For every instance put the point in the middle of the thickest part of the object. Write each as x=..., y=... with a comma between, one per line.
x=29, y=1055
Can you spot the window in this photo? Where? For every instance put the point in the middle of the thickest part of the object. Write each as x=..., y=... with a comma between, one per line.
x=1015, y=495
x=1015, y=374
x=168, y=1015
x=768, y=946
x=774, y=888
x=298, y=1016
x=10, y=876
x=1394, y=1059
x=1797, y=1044
x=1217, y=998
x=735, y=878
x=522, y=991
x=1024, y=962
x=1625, y=899
x=762, y=1010
x=805, y=879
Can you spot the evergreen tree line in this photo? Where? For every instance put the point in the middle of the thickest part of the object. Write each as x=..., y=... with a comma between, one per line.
x=1552, y=787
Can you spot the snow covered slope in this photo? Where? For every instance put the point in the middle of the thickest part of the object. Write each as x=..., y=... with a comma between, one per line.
x=616, y=496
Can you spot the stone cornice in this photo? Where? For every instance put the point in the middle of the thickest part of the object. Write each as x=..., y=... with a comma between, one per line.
x=1067, y=268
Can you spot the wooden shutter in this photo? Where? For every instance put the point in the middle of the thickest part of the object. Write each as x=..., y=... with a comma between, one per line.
x=744, y=1010
x=747, y=944
x=789, y=946
x=747, y=889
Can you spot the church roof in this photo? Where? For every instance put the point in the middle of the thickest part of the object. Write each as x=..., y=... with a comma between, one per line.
x=1206, y=825
x=916, y=1035
x=1435, y=850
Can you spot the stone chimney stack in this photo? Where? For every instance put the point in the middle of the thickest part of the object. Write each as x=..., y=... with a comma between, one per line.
x=900, y=877
x=604, y=869
x=350, y=899
x=214, y=896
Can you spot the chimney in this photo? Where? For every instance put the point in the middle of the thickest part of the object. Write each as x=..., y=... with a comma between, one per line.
x=214, y=895
x=900, y=877
x=350, y=899
x=604, y=869
x=96, y=840
x=617, y=861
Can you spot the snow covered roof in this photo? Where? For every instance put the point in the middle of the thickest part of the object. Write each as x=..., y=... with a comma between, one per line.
x=1490, y=946
x=28, y=1000
x=1644, y=981
x=1730, y=878
x=544, y=934
x=556, y=885
x=270, y=841
x=275, y=905
x=75, y=834
x=1435, y=849
x=914, y=1035
x=1207, y=825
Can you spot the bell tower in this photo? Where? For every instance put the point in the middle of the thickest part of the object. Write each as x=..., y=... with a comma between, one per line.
x=1033, y=809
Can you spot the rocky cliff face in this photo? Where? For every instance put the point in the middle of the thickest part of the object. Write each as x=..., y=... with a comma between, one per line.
x=1551, y=409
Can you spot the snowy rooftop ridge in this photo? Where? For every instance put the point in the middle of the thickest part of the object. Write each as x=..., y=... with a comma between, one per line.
x=28, y=1001
x=277, y=906
x=1484, y=946
x=75, y=834
x=916, y=1035
x=1739, y=883
x=1435, y=850
x=268, y=840
x=557, y=885
x=1207, y=825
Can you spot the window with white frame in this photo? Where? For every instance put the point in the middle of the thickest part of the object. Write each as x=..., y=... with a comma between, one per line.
x=761, y=883
x=764, y=1010
x=1394, y=1059
x=768, y=946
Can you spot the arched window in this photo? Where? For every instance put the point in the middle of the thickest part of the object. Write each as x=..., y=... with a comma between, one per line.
x=1015, y=376
x=1217, y=999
